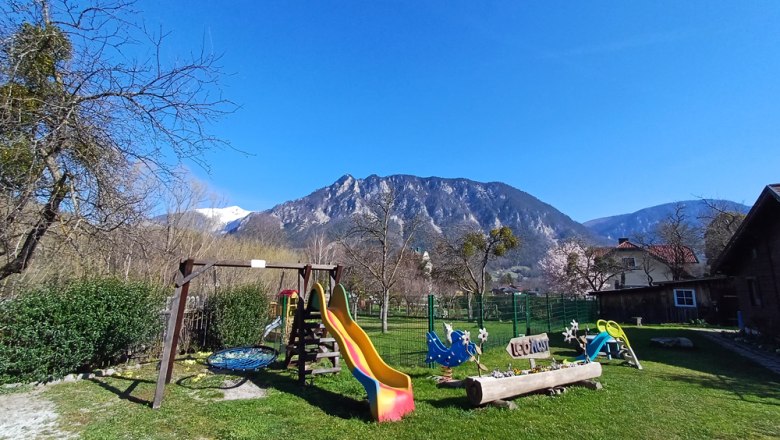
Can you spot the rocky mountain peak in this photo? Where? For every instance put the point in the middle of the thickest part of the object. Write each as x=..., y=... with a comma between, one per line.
x=444, y=205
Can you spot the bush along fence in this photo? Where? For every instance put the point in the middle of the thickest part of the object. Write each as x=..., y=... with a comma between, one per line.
x=504, y=317
x=50, y=331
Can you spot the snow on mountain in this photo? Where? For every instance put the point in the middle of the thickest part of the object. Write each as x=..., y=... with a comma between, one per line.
x=222, y=218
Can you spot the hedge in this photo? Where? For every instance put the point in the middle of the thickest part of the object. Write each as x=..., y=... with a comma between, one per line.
x=51, y=331
x=238, y=316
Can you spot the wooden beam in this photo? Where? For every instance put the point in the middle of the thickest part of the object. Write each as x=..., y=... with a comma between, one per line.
x=481, y=390
x=299, y=312
x=195, y=274
x=178, y=303
x=335, y=277
x=248, y=264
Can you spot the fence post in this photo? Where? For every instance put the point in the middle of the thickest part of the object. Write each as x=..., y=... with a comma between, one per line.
x=576, y=309
x=527, y=315
x=431, y=317
x=549, y=312
x=563, y=303
x=514, y=315
x=481, y=307
x=431, y=314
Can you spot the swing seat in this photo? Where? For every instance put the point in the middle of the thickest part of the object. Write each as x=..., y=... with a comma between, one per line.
x=250, y=358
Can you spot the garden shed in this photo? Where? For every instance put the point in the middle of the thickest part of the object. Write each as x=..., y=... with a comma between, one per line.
x=709, y=299
x=752, y=258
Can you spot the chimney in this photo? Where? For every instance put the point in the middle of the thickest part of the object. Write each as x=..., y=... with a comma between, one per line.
x=622, y=240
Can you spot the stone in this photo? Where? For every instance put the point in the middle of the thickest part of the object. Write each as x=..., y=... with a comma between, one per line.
x=70, y=378
x=106, y=372
x=504, y=404
x=590, y=384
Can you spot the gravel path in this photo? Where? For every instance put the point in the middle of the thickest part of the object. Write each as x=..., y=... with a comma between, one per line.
x=28, y=415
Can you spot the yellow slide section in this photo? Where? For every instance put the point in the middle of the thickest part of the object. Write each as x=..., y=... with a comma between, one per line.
x=389, y=390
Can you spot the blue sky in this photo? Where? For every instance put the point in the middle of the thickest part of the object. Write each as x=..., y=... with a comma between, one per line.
x=598, y=108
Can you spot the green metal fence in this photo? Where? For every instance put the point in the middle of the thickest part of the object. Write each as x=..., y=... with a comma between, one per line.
x=504, y=317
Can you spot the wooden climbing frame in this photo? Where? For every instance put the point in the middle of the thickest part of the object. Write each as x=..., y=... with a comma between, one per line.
x=187, y=273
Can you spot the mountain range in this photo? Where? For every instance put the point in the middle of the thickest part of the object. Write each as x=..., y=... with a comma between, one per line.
x=445, y=206
x=645, y=221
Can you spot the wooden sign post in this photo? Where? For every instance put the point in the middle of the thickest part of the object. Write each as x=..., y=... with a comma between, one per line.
x=529, y=347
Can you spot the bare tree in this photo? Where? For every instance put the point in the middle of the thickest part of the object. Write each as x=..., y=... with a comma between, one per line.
x=721, y=224
x=379, y=244
x=78, y=118
x=679, y=237
x=465, y=259
x=320, y=250
x=414, y=282
x=264, y=228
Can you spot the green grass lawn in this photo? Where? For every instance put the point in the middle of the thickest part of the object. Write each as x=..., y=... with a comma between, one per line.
x=703, y=393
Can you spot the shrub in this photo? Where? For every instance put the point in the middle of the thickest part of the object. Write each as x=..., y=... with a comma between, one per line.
x=51, y=331
x=238, y=316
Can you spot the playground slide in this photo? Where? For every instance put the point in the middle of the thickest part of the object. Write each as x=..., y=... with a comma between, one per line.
x=594, y=347
x=389, y=390
x=616, y=331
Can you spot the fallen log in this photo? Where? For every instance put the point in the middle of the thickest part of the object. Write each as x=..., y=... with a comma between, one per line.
x=481, y=390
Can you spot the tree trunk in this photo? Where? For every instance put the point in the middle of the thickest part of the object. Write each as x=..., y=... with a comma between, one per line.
x=48, y=214
x=385, y=306
x=469, y=297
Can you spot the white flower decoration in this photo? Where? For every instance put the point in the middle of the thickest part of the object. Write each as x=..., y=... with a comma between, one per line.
x=483, y=335
x=448, y=330
x=574, y=325
x=568, y=335
x=466, y=337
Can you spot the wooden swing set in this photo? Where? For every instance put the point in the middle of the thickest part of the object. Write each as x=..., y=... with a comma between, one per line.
x=308, y=340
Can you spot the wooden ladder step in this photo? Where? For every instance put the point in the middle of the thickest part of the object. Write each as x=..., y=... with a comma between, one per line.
x=323, y=370
x=329, y=354
x=313, y=355
x=312, y=341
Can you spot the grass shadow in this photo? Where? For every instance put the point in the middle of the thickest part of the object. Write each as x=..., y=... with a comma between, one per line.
x=740, y=389
x=126, y=394
x=726, y=370
x=459, y=402
x=186, y=381
x=332, y=403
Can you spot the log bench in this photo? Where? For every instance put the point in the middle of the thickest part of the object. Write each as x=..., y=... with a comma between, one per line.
x=482, y=390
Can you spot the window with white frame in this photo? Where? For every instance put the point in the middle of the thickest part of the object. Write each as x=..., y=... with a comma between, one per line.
x=684, y=298
x=629, y=262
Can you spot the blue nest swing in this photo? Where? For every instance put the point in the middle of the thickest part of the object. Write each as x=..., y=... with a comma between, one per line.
x=243, y=358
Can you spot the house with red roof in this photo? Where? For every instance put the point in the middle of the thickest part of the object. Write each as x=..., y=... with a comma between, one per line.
x=752, y=259
x=659, y=284
x=652, y=264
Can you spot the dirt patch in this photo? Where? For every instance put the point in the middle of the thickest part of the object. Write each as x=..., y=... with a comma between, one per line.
x=28, y=415
x=242, y=389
